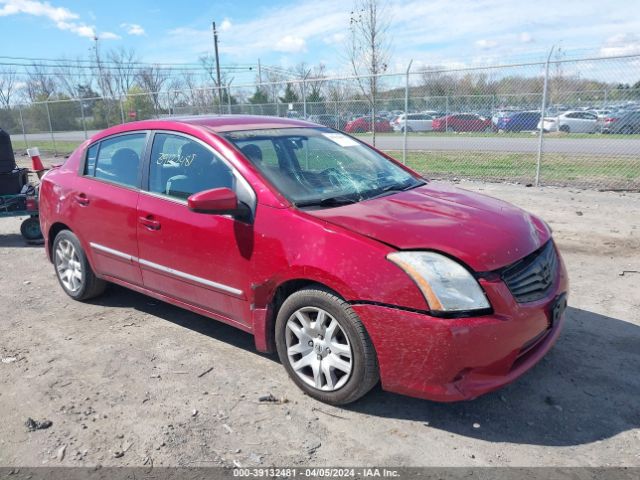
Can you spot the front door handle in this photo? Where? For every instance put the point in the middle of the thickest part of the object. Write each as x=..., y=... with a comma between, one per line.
x=81, y=199
x=149, y=222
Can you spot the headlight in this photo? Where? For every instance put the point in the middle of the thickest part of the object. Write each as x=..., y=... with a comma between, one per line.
x=446, y=285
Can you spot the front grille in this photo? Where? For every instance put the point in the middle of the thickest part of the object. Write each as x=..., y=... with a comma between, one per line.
x=531, y=278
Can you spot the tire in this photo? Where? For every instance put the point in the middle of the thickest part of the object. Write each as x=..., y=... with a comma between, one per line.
x=71, y=262
x=488, y=130
x=408, y=129
x=565, y=128
x=627, y=130
x=450, y=130
x=310, y=348
x=30, y=230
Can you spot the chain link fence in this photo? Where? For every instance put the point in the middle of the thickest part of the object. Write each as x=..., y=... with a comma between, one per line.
x=561, y=122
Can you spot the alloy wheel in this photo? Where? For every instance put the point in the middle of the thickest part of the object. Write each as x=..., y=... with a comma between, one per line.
x=68, y=266
x=318, y=349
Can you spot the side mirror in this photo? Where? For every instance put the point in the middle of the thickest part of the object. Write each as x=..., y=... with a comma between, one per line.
x=218, y=201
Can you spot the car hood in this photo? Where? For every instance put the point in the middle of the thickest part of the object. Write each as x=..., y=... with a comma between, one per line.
x=483, y=232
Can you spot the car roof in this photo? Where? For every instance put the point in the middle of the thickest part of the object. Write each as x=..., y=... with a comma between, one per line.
x=221, y=123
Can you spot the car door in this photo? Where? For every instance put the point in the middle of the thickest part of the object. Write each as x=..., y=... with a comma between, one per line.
x=105, y=200
x=200, y=259
x=590, y=122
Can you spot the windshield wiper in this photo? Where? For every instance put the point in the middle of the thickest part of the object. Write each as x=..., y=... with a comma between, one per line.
x=395, y=187
x=327, y=202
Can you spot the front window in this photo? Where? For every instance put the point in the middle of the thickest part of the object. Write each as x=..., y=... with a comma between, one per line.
x=181, y=166
x=319, y=167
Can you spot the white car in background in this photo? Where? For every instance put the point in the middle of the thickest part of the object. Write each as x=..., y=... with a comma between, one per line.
x=572, y=121
x=414, y=122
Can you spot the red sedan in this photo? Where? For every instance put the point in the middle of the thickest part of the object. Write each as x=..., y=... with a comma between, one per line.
x=348, y=264
x=462, y=122
x=363, y=124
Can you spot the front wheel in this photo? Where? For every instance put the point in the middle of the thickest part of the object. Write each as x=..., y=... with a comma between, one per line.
x=72, y=268
x=324, y=347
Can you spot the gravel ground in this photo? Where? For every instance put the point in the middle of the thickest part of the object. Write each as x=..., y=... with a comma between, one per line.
x=127, y=380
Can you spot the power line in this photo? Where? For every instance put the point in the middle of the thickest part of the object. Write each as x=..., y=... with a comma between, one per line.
x=132, y=62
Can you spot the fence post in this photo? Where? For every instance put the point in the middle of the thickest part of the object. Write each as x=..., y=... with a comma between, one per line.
x=84, y=123
x=53, y=138
x=406, y=114
x=24, y=131
x=542, y=109
x=304, y=97
x=446, y=113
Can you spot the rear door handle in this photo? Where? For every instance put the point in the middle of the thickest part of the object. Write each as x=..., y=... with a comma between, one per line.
x=149, y=222
x=81, y=199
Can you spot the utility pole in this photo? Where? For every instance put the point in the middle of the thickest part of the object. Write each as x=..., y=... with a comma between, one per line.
x=259, y=72
x=215, y=48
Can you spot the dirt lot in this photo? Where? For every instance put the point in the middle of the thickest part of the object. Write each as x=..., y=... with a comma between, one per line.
x=123, y=378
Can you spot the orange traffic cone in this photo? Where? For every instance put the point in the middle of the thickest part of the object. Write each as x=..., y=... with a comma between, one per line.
x=36, y=162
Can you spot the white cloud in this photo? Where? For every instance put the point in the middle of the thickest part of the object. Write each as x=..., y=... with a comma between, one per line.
x=486, y=44
x=290, y=44
x=109, y=36
x=226, y=25
x=287, y=29
x=63, y=18
x=133, y=29
x=335, y=39
x=526, y=37
x=621, y=44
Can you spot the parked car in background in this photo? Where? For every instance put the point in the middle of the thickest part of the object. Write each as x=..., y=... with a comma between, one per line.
x=501, y=113
x=333, y=121
x=413, y=122
x=518, y=121
x=626, y=123
x=604, y=125
x=573, y=121
x=363, y=124
x=462, y=122
x=348, y=264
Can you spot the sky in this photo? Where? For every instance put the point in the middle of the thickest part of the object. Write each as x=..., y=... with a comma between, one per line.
x=283, y=33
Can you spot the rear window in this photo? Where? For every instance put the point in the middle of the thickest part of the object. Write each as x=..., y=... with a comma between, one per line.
x=117, y=159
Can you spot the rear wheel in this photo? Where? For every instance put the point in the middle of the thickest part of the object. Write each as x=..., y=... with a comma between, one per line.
x=72, y=268
x=627, y=130
x=324, y=347
x=565, y=128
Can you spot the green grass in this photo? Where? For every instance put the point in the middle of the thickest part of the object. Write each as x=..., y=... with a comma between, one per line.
x=568, y=136
x=46, y=147
x=613, y=172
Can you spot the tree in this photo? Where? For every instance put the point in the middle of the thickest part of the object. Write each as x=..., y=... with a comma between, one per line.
x=8, y=79
x=152, y=79
x=72, y=77
x=369, y=48
x=290, y=96
x=123, y=68
x=39, y=85
x=139, y=103
x=259, y=97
